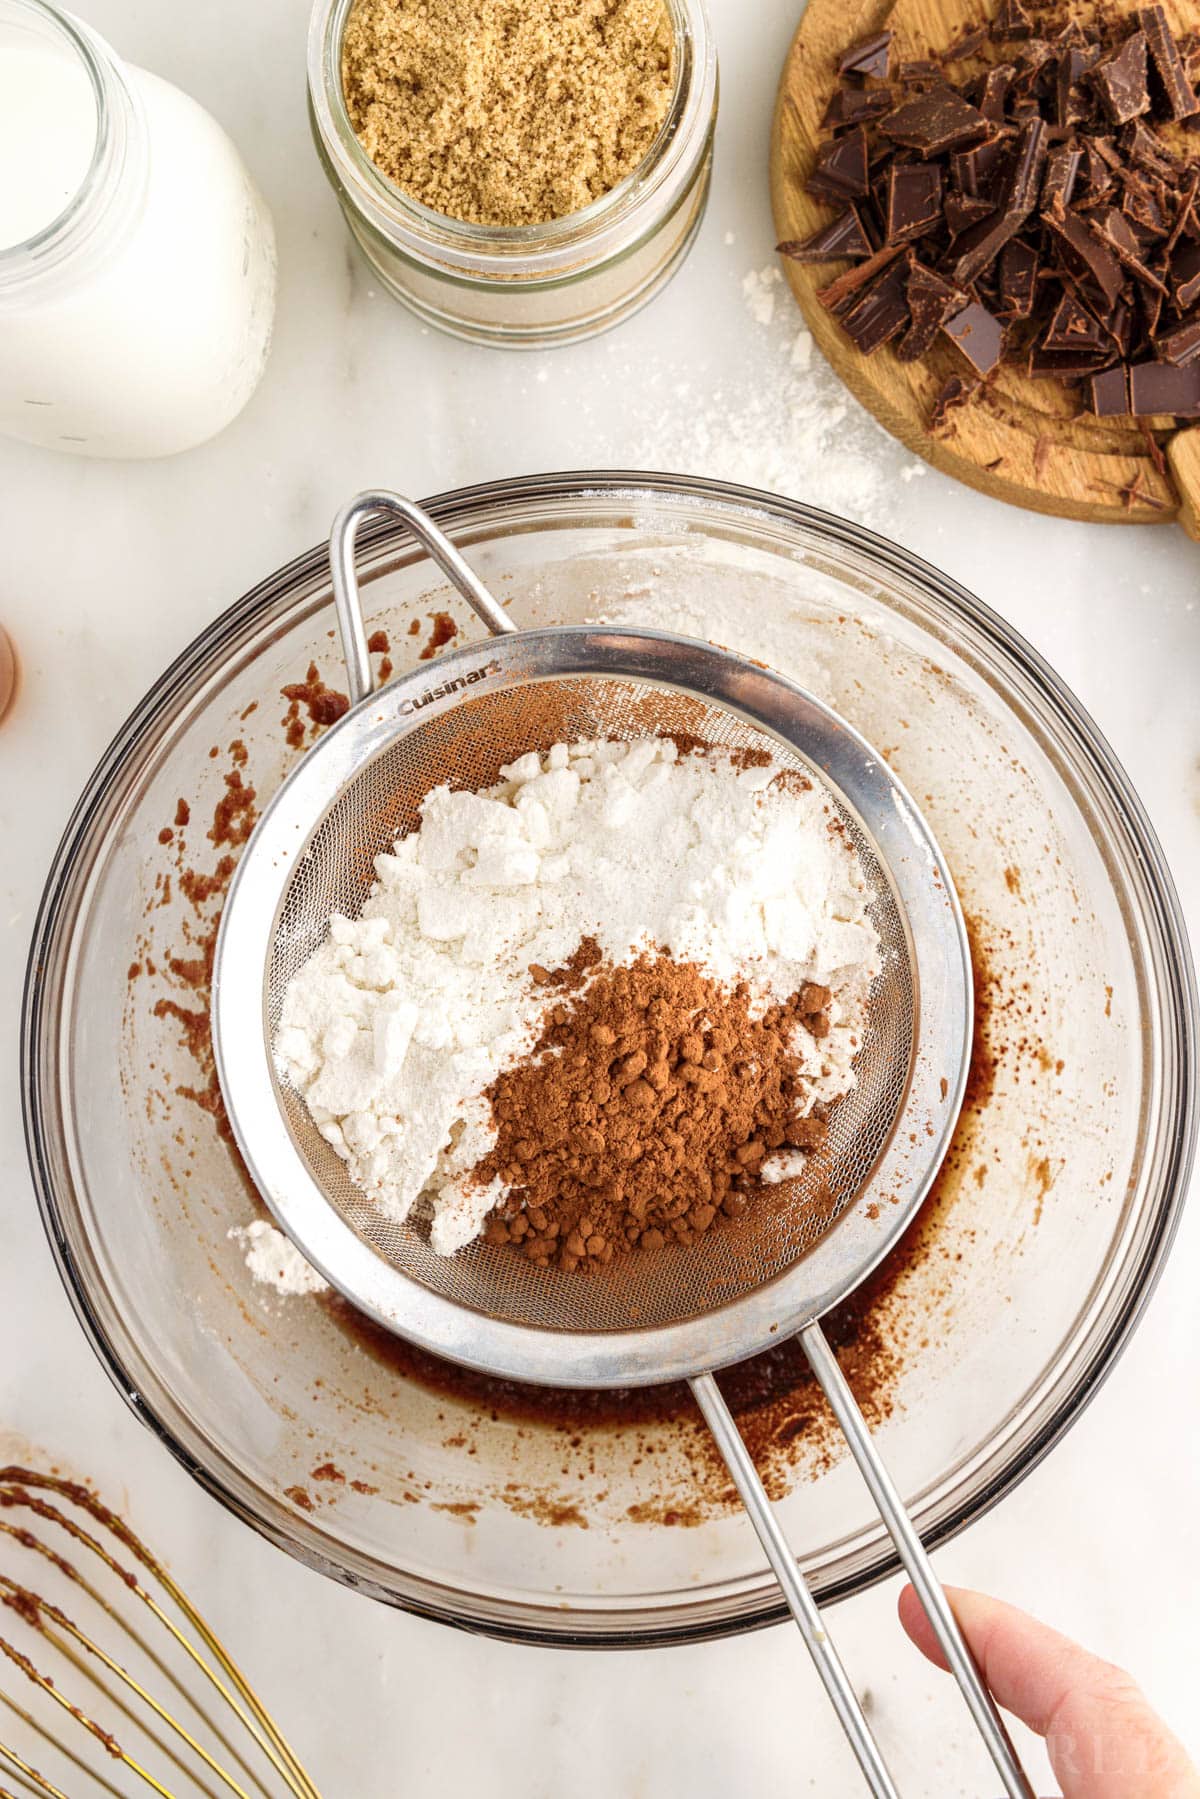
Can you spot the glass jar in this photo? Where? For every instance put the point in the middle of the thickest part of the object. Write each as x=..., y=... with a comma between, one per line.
x=527, y=286
x=137, y=259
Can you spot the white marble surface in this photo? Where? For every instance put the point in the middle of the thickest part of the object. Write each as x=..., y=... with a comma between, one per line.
x=106, y=571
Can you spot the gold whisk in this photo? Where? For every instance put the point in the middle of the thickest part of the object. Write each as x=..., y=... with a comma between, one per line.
x=229, y=1744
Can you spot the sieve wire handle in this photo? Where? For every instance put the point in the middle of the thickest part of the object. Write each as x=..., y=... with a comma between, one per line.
x=918, y=1566
x=348, y=600
x=801, y=1603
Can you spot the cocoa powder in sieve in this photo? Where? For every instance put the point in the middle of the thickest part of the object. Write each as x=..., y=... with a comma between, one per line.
x=645, y=1111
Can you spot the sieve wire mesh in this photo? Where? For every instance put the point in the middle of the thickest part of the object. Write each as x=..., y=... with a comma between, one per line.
x=466, y=747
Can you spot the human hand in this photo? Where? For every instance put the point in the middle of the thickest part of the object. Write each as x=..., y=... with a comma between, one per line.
x=1103, y=1738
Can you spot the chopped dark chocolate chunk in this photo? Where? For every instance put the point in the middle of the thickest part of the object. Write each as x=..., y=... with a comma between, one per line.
x=967, y=45
x=1148, y=303
x=843, y=241
x=1120, y=80
x=914, y=200
x=1119, y=325
x=979, y=247
x=1105, y=148
x=1180, y=345
x=880, y=311
x=1095, y=172
x=1185, y=275
x=1141, y=207
x=994, y=92
x=1011, y=22
x=1062, y=168
x=871, y=56
x=1161, y=387
x=842, y=291
x=1108, y=393
x=1064, y=365
x=841, y=171
x=1145, y=148
x=930, y=302
x=1114, y=230
x=1024, y=178
x=921, y=74
x=1032, y=58
x=1073, y=327
x=1073, y=37
x=1019, y=264
x=852, y=106
x=1179, y=96
x=1184, y=215
x=977, y=171
x=1072, y=103
x=935, y=122
x=955, y=392
x=978, y=335
x=1086, y=255
x=962, y=212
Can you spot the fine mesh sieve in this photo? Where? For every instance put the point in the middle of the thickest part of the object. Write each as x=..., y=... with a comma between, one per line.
x=466, y=748
x=685, y=1310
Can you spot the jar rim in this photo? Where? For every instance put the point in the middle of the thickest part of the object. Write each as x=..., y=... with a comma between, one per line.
x=606, y=228
x=63, y=235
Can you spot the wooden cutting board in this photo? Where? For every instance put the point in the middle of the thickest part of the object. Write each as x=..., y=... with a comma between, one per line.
x=1020, y=440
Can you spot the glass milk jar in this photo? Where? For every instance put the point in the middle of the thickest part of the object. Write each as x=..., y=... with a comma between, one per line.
x=137, y=259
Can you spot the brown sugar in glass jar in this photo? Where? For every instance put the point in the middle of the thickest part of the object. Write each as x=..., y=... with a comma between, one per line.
x=537, y=284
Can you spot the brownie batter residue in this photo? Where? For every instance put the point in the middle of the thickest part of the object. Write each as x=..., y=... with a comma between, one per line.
x=443, y=631
x=323, y=705
x=190, y=965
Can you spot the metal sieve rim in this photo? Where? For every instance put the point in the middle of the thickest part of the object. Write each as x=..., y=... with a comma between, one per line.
x=928, y=906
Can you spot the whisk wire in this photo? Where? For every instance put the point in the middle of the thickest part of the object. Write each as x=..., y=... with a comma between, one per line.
x=110, y=1744
x=37, y=1781
x=19, y=1488
x=65, y=1623
x=60, y=1745
x=260, y=1725
x=28, y=1540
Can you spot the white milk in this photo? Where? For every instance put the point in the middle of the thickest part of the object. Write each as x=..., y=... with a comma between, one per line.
x=47, y=135
x=139, y=324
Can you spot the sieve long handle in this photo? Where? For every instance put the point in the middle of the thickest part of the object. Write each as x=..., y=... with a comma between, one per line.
x=801, y=1603
x=902, y=1531
x=348, y=601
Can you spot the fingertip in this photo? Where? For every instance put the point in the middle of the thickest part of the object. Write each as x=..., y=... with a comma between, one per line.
x=1083, y=1706
x=917, y=1626
x=908, y=1607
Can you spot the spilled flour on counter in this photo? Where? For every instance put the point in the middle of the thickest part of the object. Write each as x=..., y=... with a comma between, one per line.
x=593, y=853
x=769, y=413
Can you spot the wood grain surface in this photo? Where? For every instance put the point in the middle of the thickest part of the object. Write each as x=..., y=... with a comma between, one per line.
x=1018, y=440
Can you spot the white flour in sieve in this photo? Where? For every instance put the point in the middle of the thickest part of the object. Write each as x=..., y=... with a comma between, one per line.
x=395, y=1028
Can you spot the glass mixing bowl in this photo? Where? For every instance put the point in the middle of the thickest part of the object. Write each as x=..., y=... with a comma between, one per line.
x=1039, y=1249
